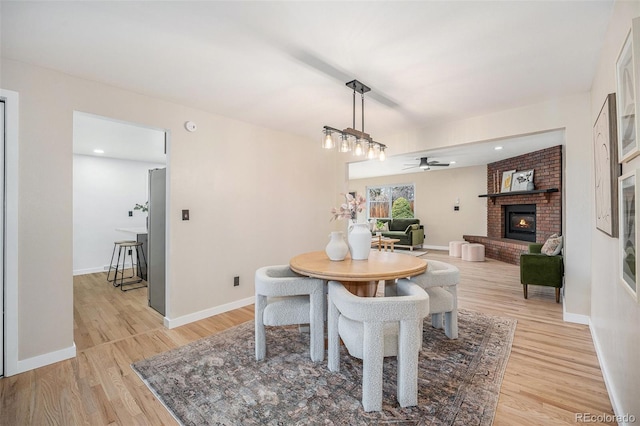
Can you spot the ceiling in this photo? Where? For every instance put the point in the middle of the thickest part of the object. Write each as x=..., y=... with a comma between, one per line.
x=117, y=139
x=466, y=155
x=284, y=65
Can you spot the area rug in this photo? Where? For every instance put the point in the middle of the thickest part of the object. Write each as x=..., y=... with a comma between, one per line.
x=217, y=380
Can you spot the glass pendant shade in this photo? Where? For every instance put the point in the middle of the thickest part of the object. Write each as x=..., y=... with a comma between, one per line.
x=358, y=150
x=371, y=152
x=345, y=144
x=327, y=140
x=382, y=155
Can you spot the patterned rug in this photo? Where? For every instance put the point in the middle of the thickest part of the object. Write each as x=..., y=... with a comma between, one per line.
x=217, y=380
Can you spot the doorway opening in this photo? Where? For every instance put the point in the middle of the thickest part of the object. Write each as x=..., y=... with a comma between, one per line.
x=111, y=164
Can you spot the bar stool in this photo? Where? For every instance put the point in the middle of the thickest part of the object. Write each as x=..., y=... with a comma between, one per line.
x=116, y=244
x=125, y=248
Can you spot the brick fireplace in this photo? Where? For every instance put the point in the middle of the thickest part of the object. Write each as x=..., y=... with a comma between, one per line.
x=546, y=198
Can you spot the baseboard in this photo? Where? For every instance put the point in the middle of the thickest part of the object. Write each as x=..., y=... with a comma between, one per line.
x=94, y=270
x=46, y=359
x=206, y=313
x=613, y=397
x=87, y=271
x=575, y=318
x=445, y=248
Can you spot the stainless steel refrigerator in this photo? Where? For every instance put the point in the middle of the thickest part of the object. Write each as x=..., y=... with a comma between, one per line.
x=156, y=243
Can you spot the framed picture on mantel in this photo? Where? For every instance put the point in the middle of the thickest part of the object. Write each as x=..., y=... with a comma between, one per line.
x=522, y=181
x=506, y=181
x=607, y=169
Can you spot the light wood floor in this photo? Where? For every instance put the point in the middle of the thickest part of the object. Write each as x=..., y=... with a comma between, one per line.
x=552, y=374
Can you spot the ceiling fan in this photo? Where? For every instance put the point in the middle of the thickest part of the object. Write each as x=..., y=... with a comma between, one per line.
x=425, y=164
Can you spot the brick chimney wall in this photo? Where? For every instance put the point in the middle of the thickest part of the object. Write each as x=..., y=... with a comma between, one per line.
x=547, y=166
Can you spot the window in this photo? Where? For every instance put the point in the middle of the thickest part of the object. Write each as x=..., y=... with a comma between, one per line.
x=381, y=199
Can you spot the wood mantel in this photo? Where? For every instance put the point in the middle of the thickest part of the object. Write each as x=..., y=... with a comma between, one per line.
x=546, y=193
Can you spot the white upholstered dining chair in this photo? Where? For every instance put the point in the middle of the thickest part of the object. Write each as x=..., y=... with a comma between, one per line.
x=284, y=297
x=373, y=328
x=441, y=280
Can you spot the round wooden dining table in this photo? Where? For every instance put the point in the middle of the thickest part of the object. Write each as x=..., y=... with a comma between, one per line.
x=359, y=276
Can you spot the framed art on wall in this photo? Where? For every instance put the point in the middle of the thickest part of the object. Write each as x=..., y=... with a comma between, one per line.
x=626, y=102
x=607, y=169
x=628, y=199
x=506, y=181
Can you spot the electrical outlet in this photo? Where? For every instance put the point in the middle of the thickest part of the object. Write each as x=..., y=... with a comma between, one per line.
x=236, y=281
x=185, y=214
x=456, y=208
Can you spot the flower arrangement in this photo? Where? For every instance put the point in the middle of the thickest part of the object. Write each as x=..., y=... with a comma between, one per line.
x=349, y=209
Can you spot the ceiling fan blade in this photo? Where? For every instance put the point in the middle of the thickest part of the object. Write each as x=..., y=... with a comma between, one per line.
x=410, y=167
x=439, y=164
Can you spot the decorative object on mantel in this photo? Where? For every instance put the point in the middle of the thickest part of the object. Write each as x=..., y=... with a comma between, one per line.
x=520, y=181
x=350, y=139
x=629, y=204
x=506, y=181
x=359, y=246
x=337, y=248
x=626, y=101
x=607, y=169
x=216, y=380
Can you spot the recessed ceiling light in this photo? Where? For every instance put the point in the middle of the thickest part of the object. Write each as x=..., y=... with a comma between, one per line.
x=98, y=151
x=498, y=148
x=452, y=162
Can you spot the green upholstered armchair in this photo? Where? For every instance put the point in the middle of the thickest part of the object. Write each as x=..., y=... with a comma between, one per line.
x=539, y=269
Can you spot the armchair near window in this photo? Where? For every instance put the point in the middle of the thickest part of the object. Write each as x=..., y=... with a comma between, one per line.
x=537, y=268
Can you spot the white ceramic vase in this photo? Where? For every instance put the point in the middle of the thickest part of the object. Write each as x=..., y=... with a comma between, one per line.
x=359, y=241
x=337, y=248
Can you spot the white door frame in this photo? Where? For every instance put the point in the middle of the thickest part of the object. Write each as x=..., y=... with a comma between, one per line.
x=11, y=233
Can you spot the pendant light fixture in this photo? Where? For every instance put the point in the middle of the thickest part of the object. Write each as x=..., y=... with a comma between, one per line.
x=350, y=139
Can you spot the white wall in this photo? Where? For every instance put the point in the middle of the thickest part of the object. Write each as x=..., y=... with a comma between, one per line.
x=104, y=191
x=615, y=317
x=255, y=199
x=436, y=193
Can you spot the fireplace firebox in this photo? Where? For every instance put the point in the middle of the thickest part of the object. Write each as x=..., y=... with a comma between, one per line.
x=520, y=222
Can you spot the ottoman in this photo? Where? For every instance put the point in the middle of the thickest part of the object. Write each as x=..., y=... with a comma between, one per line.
x=455, y=248
x=473, y=252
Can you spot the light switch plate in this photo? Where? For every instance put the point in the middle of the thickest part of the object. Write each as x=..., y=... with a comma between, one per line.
x=185, y=214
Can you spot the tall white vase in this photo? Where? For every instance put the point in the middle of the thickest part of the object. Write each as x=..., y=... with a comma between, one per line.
x=359, y=241
x=337, y=248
